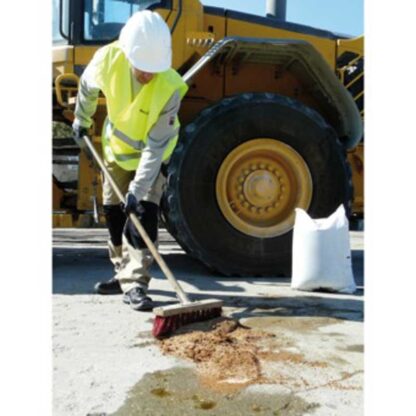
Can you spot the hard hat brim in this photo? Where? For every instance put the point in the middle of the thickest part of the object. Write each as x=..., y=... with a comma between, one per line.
x=152, y=67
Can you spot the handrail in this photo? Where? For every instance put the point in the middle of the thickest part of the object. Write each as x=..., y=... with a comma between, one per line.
x=58, y=87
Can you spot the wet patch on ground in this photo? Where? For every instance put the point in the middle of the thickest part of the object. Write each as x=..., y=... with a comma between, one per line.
x=177, y=392
x=258, y=366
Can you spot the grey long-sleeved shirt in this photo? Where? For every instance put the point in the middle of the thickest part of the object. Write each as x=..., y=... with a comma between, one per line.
x=158, y=137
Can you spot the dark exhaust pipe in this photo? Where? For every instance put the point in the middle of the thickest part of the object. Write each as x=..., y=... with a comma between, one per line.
x=276, y=9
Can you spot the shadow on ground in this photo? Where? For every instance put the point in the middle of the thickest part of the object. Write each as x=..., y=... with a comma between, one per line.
x=75, y=271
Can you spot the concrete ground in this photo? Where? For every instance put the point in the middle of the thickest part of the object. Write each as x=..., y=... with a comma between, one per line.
x=105, y=360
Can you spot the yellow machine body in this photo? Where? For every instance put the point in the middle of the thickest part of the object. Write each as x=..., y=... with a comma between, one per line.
x=196, y=30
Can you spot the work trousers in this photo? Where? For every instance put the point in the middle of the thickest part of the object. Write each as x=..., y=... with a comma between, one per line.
x=127, y=250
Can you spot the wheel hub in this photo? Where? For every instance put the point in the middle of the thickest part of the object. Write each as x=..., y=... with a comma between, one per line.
x=259, y=185
x=260, y=188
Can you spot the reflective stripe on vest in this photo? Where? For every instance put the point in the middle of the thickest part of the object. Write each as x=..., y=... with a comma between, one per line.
x=138, y=145
x=109, y=155
x=131, y=118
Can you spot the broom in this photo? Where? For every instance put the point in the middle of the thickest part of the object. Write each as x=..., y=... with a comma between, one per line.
x=168, y=318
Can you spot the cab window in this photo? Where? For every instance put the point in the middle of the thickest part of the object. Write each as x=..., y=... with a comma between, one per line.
x=103, y=19
x=60, y=21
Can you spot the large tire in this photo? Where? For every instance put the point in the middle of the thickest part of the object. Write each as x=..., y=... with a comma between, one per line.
x=197, y=216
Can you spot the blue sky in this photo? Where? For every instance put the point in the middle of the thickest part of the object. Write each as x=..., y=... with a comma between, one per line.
x=341, y=16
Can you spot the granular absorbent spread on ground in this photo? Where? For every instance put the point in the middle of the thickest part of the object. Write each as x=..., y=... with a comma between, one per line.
x=226, y=353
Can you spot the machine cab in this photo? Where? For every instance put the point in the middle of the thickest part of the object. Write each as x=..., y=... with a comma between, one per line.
x=79, y=22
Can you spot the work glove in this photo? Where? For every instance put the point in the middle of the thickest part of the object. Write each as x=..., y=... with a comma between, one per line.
x=132, y=205
x=78, y=133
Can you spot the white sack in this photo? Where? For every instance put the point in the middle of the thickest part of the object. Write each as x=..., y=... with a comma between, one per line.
x=321, y=256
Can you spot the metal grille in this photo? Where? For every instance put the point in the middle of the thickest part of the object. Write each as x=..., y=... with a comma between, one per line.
x=350, y=68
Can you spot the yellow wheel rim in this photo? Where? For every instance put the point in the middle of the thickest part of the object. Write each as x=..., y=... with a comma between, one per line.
x=259, y=184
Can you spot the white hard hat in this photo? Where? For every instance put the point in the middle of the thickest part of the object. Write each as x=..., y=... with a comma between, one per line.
x=146, y=41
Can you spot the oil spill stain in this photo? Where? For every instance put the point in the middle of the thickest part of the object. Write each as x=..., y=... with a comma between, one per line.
x=296, y=324
x=225, y=353
x=177, y=392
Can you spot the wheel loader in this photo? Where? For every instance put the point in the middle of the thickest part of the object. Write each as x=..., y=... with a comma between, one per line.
x=272, y=121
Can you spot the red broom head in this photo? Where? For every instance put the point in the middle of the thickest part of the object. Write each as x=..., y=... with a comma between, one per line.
x=166, y=325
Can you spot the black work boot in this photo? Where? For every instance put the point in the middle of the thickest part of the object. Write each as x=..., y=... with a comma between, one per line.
x=111, y=287
x=138, y=300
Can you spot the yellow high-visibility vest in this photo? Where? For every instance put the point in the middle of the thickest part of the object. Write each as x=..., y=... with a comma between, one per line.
x=130, y=118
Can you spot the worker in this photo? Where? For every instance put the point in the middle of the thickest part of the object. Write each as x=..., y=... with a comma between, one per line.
x=143, y=95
